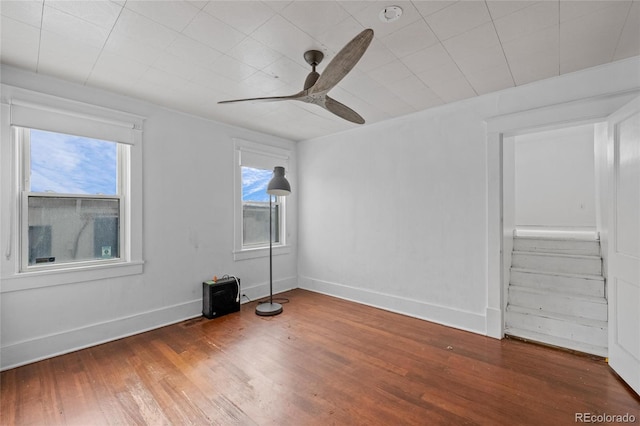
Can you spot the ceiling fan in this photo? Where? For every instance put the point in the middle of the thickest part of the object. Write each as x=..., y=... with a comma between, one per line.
x=317, y=85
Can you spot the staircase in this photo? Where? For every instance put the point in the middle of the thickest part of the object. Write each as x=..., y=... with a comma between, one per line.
x=557, y=294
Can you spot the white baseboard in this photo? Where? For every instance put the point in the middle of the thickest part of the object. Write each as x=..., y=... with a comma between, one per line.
x=450, y=317
x=261, y=290
x=42, y=347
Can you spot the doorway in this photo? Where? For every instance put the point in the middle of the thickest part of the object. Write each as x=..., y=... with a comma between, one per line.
x=620, y=117
x=553, y=279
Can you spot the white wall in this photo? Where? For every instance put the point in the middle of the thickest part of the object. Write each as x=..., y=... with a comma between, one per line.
x=394, y=214
x=188, y=237
x=555, y=179
x=402, y=214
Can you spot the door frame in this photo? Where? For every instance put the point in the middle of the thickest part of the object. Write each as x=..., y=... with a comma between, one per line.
x=584, y=111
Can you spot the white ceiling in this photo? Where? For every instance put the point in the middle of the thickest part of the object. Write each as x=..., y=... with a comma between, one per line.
x=188, y=55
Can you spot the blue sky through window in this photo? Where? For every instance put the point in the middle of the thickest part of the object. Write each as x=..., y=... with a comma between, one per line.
x=72, y=164
x=254, y=184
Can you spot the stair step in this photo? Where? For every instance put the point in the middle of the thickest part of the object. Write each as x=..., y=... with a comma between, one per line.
x=554, y=262
x=563, y=303
x=557, y=341
x=558, y=233
x=557, y=245
x=587, y=285
x=584, y=330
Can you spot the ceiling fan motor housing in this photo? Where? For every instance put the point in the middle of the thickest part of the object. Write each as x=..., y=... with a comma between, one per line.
x=313, y=57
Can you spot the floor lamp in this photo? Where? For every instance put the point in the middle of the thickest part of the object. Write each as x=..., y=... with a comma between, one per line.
x=278, y=186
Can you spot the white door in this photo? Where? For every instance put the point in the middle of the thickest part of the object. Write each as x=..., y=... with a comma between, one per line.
x=624, y=243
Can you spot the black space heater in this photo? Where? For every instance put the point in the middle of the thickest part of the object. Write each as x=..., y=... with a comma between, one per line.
x=220, y=297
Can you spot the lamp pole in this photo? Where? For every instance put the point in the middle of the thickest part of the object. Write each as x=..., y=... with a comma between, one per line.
x=278, y=186
x=270, y=253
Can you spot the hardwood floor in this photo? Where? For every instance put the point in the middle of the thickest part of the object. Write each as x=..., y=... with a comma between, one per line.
x=323, y=361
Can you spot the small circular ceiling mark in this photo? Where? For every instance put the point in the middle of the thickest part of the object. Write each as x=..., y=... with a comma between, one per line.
x=390, y=14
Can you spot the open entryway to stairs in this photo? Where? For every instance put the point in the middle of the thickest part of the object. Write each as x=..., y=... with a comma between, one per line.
x=554, y=289
x=556, y=293
x=571, y=168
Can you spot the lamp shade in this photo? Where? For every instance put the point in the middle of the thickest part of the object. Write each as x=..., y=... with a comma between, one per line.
x=279, y=185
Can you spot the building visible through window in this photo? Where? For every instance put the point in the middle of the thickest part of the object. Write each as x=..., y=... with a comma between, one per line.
x=73, y=200
x=255, y=208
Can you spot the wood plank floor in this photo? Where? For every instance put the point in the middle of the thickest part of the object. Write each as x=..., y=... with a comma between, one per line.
x=323, y=361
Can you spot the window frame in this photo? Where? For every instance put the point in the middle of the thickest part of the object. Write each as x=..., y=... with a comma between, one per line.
x=21, y=108
x=264, y=157
x=278, y=203
x=23, y=138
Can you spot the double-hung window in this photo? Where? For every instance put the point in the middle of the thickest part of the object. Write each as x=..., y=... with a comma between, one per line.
x=255, y=209
x=255, y=164
x=72, y=191
x=73, y=199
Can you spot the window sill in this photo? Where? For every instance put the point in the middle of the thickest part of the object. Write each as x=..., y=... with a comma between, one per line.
x=49, y=278
x=255, y=253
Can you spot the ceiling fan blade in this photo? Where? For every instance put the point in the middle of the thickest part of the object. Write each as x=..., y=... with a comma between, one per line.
x=343, y=62
x=264, y=99
x=343, y=111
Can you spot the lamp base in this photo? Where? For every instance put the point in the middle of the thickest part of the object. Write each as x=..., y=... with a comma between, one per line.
x=268, y=309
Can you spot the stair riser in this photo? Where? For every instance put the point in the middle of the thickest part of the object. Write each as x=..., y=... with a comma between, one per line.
x=558, y=283
x=591, y=335
x=560, y=304
x=569, y=265
x=590, y=248
x=557, y=341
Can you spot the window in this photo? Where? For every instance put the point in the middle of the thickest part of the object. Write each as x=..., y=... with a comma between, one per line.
x=71, y=191
x=254, y=170
x=72, y=198
x=255, y=209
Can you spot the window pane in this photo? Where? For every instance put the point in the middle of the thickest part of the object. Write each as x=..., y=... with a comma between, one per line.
x=73, y=229
x=39, y=243
x=72, y=164
x=255, y=223
x=254, y=184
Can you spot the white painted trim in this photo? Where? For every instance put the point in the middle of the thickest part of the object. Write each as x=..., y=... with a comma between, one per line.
x=43, y=111
x=40, y=99
x=564, y=114
x=508, y=223
x=70, y=275
x=132, y=124
x=495, y=275
x=572, y=234
x=450, y=317
x=261, y=252
x=494, y=323
x=261, y=290
x=43, y=347
x=31, y=350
